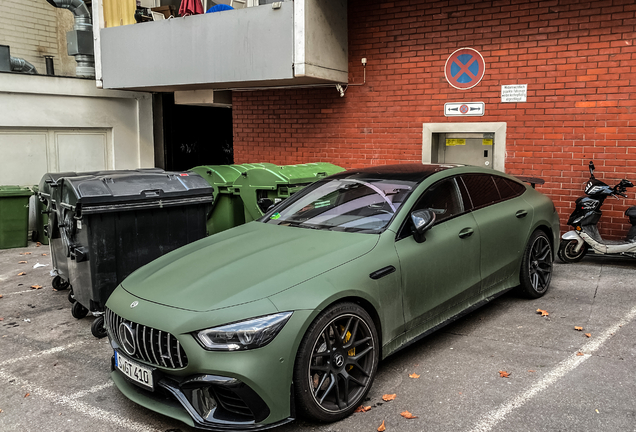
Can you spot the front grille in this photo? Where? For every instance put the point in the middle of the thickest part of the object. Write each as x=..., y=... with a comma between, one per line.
x=151, y=345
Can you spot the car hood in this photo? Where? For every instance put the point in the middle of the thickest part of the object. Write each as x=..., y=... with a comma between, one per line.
x=244, y=264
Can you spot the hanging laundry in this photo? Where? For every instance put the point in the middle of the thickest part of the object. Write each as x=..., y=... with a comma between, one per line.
x=190, y=7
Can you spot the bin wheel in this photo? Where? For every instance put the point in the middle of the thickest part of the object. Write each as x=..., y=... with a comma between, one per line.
x=97, y=327
x=78, y=311
x=59, y=283
x=71, y=297
x=34, y=235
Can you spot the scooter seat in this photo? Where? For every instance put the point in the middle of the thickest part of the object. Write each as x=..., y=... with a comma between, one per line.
x=631, y=212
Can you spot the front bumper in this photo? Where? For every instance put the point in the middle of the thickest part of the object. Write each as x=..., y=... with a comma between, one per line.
x=212, y=390
x=231, y=405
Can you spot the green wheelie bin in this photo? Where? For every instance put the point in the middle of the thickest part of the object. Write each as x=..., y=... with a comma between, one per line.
x=262, y=187
x=14, y=216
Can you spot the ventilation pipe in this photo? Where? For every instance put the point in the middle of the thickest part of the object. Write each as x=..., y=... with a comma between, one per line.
x=79, y=41
x=21, y=65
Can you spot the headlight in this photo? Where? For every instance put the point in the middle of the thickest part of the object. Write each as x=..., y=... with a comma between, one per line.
x=243, y=335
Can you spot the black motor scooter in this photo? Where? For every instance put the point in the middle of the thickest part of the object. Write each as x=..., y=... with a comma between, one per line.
x=575, y=244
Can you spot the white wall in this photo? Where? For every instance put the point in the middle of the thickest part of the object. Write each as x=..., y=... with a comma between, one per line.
x=53, y=124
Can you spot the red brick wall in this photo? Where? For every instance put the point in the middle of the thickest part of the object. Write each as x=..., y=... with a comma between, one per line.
x=577, y=58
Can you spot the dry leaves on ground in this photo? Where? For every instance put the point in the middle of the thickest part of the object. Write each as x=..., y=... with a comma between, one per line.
x=21, y=274
x=362, y=408
x=579, y=353
x=36, y=286
x=543, y=312
x=578, y=328
x=27, y=395
x=588, y=334
x=388, y=397
x=414, y=376
x=504, y=374
x=22, y=262
x=407, y=415
x=382, y=428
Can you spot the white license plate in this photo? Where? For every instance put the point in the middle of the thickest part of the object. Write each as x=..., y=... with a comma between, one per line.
x=140, y=374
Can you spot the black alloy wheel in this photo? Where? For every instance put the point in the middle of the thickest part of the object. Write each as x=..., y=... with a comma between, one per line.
x=336, y=363
x=536, y=267
x=567, y=251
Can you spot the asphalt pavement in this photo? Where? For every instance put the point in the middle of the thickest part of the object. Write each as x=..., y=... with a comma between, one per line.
x=54, y=375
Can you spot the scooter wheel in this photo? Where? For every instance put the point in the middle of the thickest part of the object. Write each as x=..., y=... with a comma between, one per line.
x=97, y=327
x=567, y=252
x=78, y=311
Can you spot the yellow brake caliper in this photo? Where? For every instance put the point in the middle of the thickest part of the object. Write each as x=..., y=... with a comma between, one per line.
x=352, y=351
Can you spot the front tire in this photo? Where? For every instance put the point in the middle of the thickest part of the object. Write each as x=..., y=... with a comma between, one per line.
x=336, y=363
x=536, y=267
x=567, y=252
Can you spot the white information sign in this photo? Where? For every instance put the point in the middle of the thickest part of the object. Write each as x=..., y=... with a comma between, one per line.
x=514, y=93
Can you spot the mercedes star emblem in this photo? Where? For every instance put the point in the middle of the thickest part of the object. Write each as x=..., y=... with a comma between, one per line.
x=127, y=338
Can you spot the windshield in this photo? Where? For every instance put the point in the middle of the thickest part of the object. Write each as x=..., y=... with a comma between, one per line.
x=355, y=205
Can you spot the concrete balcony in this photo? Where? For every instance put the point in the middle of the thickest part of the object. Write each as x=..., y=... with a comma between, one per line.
x=290, y=43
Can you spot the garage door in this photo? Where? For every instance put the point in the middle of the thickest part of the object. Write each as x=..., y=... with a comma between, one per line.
x=26, y=154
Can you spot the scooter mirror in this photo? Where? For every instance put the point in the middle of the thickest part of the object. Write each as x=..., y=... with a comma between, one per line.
x=592, y=169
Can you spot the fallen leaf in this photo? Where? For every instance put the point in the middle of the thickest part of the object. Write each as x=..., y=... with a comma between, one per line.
x=588, y=334
x=531, y=370
x=542, y=312
x=578, y=328
x=414, y=376
x=1, y=319
x=38, y=244
x=27, y=395
x=407, y=415
x=362, y=408
x=388, y=397
x=27, y=253
x=36, y=286
x=382, y=428
x=579, y=353
x=0, y=295
x=504, y=374
x=45, y=254
x=21, y=274
x=22, y=262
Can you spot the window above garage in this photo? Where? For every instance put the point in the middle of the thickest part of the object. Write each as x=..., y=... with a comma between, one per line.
x=288, y=43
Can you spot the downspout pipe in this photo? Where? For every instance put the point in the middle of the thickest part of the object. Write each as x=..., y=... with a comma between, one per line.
x=21, y=65
x=80, y=39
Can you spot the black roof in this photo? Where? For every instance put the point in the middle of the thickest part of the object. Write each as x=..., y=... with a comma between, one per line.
x=414, y=172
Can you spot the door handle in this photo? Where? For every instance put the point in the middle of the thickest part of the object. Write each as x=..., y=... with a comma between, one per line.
x=521, y=214
x=466, y=232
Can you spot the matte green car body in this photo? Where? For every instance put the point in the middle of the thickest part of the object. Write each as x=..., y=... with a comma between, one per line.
x=259, y=269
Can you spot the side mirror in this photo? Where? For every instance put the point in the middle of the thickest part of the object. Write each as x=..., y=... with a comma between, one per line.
x=422, y=220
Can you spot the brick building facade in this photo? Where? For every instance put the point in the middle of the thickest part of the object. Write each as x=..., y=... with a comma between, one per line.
x=577, y=58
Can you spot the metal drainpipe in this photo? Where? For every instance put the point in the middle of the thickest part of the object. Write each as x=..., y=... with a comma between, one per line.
x=81, y=35
x=21, y=65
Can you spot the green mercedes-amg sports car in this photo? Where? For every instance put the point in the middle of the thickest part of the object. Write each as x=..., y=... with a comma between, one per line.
x=290, y=314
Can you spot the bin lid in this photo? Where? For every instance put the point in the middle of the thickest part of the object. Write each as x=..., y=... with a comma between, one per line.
x=52, y=179
x=128, y=188
x=224, y=175
x=271, y=177
x=15, y=191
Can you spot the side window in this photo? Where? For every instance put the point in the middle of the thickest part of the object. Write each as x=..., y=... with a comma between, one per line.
x=482, y=189
x=508, y=188
x=443, y=198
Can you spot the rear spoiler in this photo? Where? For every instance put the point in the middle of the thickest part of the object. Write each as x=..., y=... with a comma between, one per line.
x=532, y=180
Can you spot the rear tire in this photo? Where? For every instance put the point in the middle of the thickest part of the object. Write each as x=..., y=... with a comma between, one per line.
x=536, y=267
x=567, y=253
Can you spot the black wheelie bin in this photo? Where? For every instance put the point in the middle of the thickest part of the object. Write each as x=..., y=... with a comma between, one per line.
x=112, y=223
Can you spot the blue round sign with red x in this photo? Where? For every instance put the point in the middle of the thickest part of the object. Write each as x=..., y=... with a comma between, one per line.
x=464, y=68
